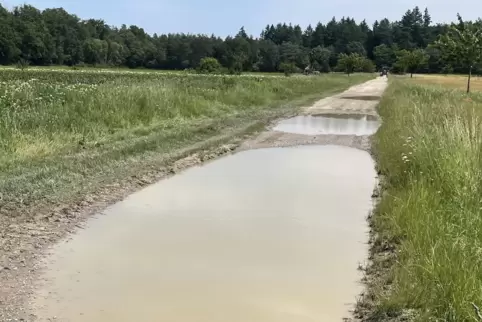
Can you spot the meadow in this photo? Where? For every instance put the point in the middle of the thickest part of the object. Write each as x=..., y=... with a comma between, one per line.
x=450, y=81
x=428, y=225
x=65, y=133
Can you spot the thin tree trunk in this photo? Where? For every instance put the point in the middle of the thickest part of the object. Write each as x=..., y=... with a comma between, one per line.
x=411, y=75
x=468, y=80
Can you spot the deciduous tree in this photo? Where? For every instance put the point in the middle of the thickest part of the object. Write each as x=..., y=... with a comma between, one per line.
x=411, y=61
x=348, y=63
x=462, y=45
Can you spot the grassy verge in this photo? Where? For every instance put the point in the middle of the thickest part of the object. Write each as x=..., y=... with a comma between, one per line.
x=66, y=133
x=427, y=247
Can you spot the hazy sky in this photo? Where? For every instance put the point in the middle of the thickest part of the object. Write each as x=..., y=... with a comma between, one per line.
x=223, y=18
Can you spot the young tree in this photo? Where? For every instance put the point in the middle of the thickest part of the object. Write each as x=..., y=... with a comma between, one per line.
x=462, y=44
x=320, y=59
x=348, y=63
x=411, y=61
x=22, y=64
x=287, y=68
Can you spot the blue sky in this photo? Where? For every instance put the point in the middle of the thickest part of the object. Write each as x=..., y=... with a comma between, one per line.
x=223, y=18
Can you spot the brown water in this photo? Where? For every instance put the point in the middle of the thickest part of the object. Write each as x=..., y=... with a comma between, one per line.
x=263, y=235
x=336, y=124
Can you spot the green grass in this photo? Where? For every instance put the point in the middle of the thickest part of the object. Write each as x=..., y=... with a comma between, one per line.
x=126, y=70
x=429, y=149
x=65, y=133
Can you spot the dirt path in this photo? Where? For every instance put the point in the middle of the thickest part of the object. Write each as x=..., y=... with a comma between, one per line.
x=19, y=268
x=359, y=99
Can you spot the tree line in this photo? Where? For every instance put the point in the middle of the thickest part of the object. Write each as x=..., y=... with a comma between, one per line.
x=56, y=37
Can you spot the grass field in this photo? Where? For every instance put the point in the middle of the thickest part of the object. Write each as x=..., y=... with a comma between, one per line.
x=429, y=222
x=65, y=133
x=126, y=70
x=450, y=81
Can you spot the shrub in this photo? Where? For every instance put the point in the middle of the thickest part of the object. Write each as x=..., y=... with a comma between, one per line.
x=209, y=65
x=365, y=65
x=287, y=68
x=22, y=64
x=354, y=63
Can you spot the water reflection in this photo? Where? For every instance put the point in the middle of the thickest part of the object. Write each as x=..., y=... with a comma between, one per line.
x=263, y=235
x=336, y=124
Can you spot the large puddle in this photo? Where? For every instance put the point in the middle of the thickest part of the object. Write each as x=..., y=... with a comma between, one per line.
x=336, y=124
x=262, y=235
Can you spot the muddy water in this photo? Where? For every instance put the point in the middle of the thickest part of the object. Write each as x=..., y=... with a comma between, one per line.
x=262, y=235
x=336, y=124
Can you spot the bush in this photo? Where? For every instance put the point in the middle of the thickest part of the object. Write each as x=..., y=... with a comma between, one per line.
x=81, y=64
x=354, y=63
x=365, y=65
x=22, y=64
x=209, y=65
x=287, y=68
x=234, y=71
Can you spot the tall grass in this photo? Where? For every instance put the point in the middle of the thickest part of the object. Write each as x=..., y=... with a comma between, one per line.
x=41, y=116
x=61, y=130
x=430, y=150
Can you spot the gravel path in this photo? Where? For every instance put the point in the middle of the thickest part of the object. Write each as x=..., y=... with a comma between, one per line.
x=359, y=99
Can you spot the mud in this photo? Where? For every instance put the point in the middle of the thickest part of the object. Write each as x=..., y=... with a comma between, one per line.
x=18, y=279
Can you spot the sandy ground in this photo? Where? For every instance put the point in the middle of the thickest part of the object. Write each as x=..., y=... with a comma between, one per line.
x=24, y=246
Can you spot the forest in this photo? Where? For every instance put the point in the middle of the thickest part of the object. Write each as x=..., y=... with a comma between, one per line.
x=56, y=37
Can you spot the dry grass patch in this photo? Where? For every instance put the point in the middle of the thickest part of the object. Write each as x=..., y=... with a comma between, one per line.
x=449, y=81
